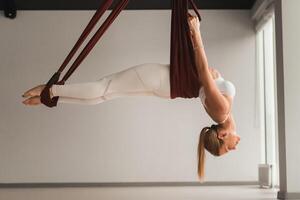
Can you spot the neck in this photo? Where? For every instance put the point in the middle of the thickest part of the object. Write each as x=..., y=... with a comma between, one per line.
x=229, y=123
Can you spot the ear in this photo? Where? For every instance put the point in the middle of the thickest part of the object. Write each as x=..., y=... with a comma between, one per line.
x=222, y=135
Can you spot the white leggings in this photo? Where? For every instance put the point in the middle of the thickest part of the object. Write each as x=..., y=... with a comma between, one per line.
x=141, y=80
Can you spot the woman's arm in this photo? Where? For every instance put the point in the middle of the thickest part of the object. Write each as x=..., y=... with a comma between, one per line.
x=216, y=103
x=214, y=73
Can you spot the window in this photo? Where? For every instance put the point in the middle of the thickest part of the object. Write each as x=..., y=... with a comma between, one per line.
x=266, y=94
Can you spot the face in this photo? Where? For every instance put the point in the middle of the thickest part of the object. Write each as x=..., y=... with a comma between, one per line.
x=230, y=139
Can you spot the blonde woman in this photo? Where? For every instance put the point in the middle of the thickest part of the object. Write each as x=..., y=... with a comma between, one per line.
x=153, y=79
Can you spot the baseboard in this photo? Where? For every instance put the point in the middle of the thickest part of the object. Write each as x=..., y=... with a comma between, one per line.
x=126, y=184
x=288, y=195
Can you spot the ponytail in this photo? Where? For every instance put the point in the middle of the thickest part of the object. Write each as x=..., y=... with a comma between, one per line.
x=201, y=154
x=209, y=141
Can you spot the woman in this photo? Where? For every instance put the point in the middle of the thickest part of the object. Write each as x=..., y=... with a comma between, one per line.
x=216, y=95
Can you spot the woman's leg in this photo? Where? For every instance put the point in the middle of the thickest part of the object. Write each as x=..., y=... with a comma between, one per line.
x=141, y=80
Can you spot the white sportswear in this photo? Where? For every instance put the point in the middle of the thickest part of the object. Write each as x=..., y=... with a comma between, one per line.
x=141, y=80
x=224, y=86
x=149, y=79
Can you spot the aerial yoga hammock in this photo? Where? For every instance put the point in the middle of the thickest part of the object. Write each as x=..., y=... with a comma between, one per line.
x=187, y=76
x=184, y=81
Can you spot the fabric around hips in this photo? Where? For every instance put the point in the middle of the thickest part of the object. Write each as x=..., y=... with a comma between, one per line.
x=183, y=71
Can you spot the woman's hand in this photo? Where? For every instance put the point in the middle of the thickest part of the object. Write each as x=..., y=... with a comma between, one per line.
x=194, y=24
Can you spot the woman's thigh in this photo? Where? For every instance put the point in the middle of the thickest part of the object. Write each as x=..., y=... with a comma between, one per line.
x=149, y=79
x=155, y=77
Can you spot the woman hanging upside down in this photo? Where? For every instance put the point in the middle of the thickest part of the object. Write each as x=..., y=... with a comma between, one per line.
x=216, y=95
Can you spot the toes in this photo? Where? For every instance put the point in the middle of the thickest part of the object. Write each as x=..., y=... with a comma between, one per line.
x=26, y=94
x=33, y=101
x=29, y=93
x=36, y=91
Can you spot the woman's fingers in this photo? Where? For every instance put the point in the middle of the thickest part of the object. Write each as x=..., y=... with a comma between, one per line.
x=192, y=19
x=190, y=16
x=194, y=23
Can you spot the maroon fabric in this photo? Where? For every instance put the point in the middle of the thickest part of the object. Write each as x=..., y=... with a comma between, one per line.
x=183, y=72
x=45, y=95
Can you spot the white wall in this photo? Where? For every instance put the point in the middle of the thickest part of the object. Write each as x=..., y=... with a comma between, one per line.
x=291, y=54
x=133, y=139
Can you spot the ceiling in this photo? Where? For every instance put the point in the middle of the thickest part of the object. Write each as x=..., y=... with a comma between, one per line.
x=133, y=5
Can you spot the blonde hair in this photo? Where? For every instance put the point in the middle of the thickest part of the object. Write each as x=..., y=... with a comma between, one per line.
x=208, y=140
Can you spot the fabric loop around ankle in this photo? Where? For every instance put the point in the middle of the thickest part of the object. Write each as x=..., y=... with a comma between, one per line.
x=45, y=94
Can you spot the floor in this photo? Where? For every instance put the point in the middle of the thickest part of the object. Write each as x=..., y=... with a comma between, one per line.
x=142, y=193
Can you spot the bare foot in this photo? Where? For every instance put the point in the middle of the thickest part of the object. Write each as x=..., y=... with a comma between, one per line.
x=36, y=91
x=33, y=101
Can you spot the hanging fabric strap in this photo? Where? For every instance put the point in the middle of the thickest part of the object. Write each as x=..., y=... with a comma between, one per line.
x=184, y=79
x=45, y=95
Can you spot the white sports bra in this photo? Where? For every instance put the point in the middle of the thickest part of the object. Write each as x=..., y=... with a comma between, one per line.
x=224, y=86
